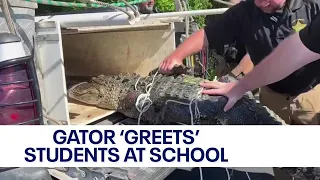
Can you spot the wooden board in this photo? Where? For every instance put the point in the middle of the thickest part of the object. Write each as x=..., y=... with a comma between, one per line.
x=133, y=50
x=81, y=114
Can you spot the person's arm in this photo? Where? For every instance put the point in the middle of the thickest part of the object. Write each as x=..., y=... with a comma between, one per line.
x=293, y=53
x=193, y=44
x=247, y=64
x=244, y=66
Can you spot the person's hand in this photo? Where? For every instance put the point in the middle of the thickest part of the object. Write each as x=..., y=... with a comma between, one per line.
x=224, y=89
x=167, y=64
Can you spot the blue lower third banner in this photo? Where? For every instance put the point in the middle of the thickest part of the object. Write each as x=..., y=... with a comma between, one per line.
x=159, y=146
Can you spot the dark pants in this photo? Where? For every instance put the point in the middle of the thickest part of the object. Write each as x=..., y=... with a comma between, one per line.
x=216, y=174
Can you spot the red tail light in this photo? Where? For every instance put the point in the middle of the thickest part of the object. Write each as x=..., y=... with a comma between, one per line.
x=19, y=93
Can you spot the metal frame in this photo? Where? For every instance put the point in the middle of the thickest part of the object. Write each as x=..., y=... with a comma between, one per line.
x=49, y=50
x=51, y=76
x=119, y=18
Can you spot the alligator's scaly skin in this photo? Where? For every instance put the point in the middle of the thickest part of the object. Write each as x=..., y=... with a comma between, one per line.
x=110, y=173
x=118, y=93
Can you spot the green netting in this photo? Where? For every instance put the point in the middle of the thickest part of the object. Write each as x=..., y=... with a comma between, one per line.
x=83, y=5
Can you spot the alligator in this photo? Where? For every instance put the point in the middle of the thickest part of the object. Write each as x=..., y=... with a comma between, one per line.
x=120, y=93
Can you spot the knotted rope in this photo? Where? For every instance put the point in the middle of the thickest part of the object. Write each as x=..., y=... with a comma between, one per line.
x=144, y=102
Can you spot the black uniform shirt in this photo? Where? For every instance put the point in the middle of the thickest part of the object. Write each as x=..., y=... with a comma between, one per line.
x=310, y=36
x=261, y=33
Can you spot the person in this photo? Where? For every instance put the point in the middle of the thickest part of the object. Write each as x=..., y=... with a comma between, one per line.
x=146, y=7
x=293, y=53
x=261, y=25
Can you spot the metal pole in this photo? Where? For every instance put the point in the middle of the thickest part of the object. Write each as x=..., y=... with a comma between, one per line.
x=88, y=19
x=184, y=13
x=118, y=18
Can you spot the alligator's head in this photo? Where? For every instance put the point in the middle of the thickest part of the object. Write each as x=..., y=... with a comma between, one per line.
x=102, y=91
x=85, y=92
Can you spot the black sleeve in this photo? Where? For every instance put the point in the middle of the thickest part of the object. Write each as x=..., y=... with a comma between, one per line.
x=310, y=35
x=225, y=29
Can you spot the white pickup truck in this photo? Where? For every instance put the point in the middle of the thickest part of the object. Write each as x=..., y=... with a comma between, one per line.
x=67, y=47
x=74, y=46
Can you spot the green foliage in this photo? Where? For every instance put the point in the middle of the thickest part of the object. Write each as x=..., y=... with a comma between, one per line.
x=165, y=5
x=198, y=5
x=44, y=9
x=169, y=6
x=211, y=66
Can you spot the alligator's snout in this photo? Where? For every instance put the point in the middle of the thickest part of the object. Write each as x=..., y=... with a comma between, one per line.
x=84, y=92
